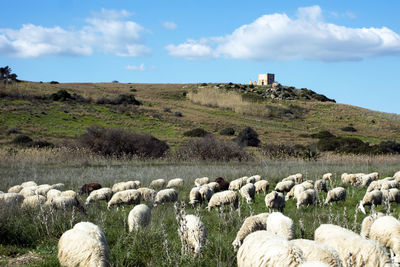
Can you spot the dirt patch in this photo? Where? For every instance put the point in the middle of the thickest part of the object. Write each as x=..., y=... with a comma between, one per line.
x=23, y=260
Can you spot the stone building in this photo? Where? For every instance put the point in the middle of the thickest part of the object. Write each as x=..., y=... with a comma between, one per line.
x=264, y=79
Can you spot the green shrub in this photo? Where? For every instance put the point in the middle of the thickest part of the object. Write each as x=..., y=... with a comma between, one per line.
x=121, y=99
x=41, y=144
x=60, y=95
x=198, y=132
x=247, y=137
x=22, y=140
x=227, y=131
x=322, y=135
x=349, y=129
x=54, y=82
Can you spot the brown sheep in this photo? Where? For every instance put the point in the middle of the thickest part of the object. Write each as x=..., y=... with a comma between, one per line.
x=223, y=185
x=88, y=188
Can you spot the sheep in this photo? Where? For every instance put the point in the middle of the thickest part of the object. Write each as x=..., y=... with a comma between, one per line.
x=236, y=184
x=224, y=198
x=391, y=195
x=297, y=178
x=201, y=181
x=139, y=217
x=223, y=185
x=280, y=225
x=88, y=188
x=316, y=251
x=58, y=186
x=284, y=186
x=11, y=199
x=262, y=185
x=275, y=200
x=177, y=182
x=385, y=183
x=194, y=233
x=309, y=184
x=123, y=186
x=194, y=196
x=159, y=183
x=327, y=176
x=166, y=195
x=147, y=194
x=251, y=179
x=295, y=191
x=248, y=191
x=320, y=185
x=351, y=247
x=313, y=264
x=250, y=225
x=64, y=203
x=68, y=193
x=137, y=183
x=263, y=248
x=33, y=202
x=29, y=184
x=335, y=194
x=367, y=222
x=205, y=192
x=28, y=191
x=104, y=193
x=214, y=186
x=15, y=189
x=53, y=193
x=130, y=196
x=307, y=197
x=43, y=189
x=83, y=245
x=371, y=198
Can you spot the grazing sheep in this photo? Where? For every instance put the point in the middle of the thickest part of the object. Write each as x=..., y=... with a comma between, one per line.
x=214, y=186
x=251, y=179
x=11, y=199
x=223, y=185
x=280, y=225
x=224, y=198
x=130, y=196
x=83, y=245
x=263, y=248
x=33, y=202
x=88, y=188
x=250, y=225
x=205, y=192
x=316, y=251
x=307, y=197
x=335, y=194
x=194, y=233
x=104, y=193
x=64, y=203
x=262, y=185
x=297, y=178
x=313, y=264
x=166, y=195
x=236, y=184
x=123, y=186
x=137, y=183
x=177, y=182
x=391, y=195
x=43, y=189
x=353, y=250
x=29, y=184
x=139, y=217
x=53, y=193
x=284, y=186
x=385, y=183
x=58, y=186
x=28, y=191
x=194, y=196
x=257, y=177
x=159, y=183
x=248, y=191
x=275, y=200
x=367, y=222
x=320, y=185
x=147, y=194
x=68, y=193
x=371, y=198
x=15, y=189
x=295, y=191
x=327, y=176
x=201, y=181
x=309, y=184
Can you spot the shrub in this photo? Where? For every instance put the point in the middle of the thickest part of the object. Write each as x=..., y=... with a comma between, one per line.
x=22, y=140
x=54, y=82
x=117, y=142
x=227, y=131
x=60, y=95
x=41, y=144
x=349, y=129
x=204, y=84
x=13, y=131
x=322, y=135
x=178, y=114
x=166, y=109
x=198, y=132
x=211, y=148
x=121, y=99
x=247, y=137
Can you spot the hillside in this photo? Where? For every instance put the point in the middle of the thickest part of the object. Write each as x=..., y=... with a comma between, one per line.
x=25, y=108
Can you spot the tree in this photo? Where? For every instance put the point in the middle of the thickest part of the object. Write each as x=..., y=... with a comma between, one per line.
x=248, y=137
x=6, y=75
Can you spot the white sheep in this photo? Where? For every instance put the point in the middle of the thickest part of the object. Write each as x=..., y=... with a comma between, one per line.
x=248, y=191
x=275, y=200
x=29, y=184
x=68, y=193
x=104, y=193
x=166, y=195
x=201, y=181
x=335, y=194
x=224, y=198
x=122, y=186
x=284, y=186
x=253, y=179
x=214, y=186
x=58, y=186
x=158, y=183
x=147, y=194
x=137, y=183
x=83, y=245
x=194, y=233
x=309, y=184
x=194, y=196
x=53, y=193
x=15, y=189
x=250, y=225
x=295, y=191
x=327, y=176
x=371, y=198
x=11, y=199
x=296, y=178
x=139, y=217
x=64, y=203
x=263, y=248
x=367, y=222
x=176, y=182
x=316, y=251
x=130, y=196
x=33, y=202
x=352, y=249
x=206, y=193
x=28, y=191
x=236, y=184
x=320, y=185
x=280, y=225
x=313, y=264
x=262, y=186
x=307, y=197
x=43, y=189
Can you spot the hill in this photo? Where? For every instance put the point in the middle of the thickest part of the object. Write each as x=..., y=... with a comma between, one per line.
x=167, y=111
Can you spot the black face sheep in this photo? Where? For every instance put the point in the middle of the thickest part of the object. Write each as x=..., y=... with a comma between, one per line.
x=83, y=245
x=320, y=185
x=280, y=225
x=88, y=188
x=250, y=225
x=248, y=191
x=166, y=195
x=306, y=198
x=371, y=198
x=131, y=196
x=223, y=185
x=104, y=193
x=139, y=217
x=194, y=233
x=336, y=194
x=262, y=186
x=224, y=198
x=275, y=201
x=177, y=182
x=284, y=186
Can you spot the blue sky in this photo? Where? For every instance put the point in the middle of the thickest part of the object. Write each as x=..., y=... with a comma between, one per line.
x=347, y=50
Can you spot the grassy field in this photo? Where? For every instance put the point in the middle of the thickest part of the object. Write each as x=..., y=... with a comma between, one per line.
x=34, y=234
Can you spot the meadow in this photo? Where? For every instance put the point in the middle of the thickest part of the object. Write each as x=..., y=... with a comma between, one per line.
x=31, y=236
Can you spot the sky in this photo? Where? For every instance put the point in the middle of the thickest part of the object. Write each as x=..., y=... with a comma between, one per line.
x=346, y=50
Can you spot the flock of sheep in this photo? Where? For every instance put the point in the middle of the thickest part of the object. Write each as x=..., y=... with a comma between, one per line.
x=265, y=239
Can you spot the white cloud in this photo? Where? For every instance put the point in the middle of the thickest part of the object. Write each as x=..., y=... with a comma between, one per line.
x=279, y=37
x=105, y=32
x=169, y=25
x=141, y=67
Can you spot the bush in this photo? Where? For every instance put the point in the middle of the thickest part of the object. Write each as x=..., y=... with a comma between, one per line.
x=211, y=148
x=349, y=129
x=247, y=137
x=13, y=131
x=121, y=99
x=117, y=142
x=54, y=82
x=227, y=131
x=178, y=114
x=41, y=144
x=22, y=140
x=322, y=135
x=166, y=109
x=198, y=132
x=60, y=95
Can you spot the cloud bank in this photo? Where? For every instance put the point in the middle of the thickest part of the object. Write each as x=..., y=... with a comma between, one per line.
x=107, y=31
x=279, y=37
